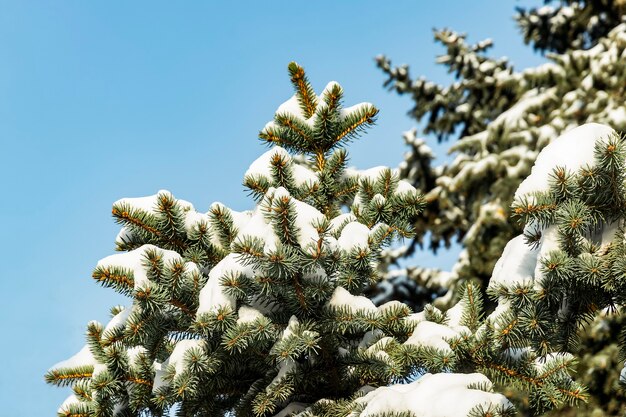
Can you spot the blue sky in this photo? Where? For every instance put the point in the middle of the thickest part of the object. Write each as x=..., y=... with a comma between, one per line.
x=104, y=100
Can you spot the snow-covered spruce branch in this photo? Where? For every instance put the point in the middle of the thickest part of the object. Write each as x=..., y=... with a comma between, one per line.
x=514, y=115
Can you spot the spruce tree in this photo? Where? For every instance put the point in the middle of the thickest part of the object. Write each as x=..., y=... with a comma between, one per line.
x=501, y=119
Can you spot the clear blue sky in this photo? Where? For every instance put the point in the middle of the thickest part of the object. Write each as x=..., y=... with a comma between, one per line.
x=103, y=100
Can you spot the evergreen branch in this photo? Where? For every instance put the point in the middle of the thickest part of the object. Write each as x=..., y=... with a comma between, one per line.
x=81, y=390
x=295, y=130
x=153, y=263
x=282, y=172
x=562, y=366
x=348, y=190
x=65, y=376
x=333, y=96
x=222, y=221
x=257, y=185
x=575, y=394
x=126, y=214
x=355, y=122
x=120, y=279
x=300, y=294
x=336, y=164
x=512, y=373
x=473, y=303
x=304, y=92
x=270, y=135
x=250, y=249
x=525, y=210
x=139, y=381
x=128, y=241
x=182, y=307
x=283, y=220
x=77, y=410
x=171, y=222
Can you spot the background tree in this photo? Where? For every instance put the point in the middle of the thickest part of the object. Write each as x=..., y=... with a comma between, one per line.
x=501, y=120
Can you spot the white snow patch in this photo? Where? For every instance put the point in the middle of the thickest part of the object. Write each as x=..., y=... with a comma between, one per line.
x=389, y=305
x=134, y=352
x=430, y=334
x=193, y=219
x=98, y=369
x=306, y=216
x=316, y=274
x=133, y=260
x=617, y=117
x=404, y=187
x=240, y=219
x=455, y=314
x=342, y=298
x=373, y=174
x=177, y=358
x=549, y=242
x=354, y=235
x=159, y=374
x=514, y=117
x=504, y=305
x=516, y=265
x=212, y=295
x=379, y=200
x=432, y=395
x=262, y=166
x=572, y=150
x=304, y=176
x=287, y=365
x=292, y=325
x=346, y=111
x=123, y=235
x=609, y=232
x=487, y=66
x=119, y=320
x=291, y=107
x=351, y=173
x=369, y=338
x=69, y=401
x=146, y=204
x=258, y=227
x=341, y=220
x=149, y=203
x=517, y=353
x=83, y=357
x=415, y=318
x=248, y=314
x=541, y=363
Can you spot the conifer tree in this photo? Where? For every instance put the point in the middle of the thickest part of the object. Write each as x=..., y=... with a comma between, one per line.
x=501, y=120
